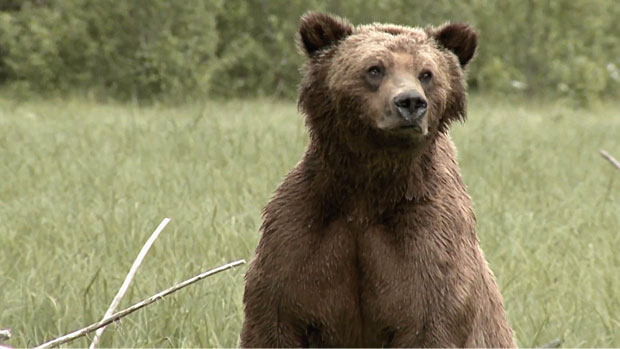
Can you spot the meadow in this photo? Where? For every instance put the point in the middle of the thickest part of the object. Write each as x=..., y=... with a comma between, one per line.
x=83, y=184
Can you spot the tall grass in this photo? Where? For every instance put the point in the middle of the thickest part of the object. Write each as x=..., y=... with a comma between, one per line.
x=82, y=185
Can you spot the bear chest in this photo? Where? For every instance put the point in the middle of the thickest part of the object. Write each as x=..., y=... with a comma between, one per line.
x=374, y=286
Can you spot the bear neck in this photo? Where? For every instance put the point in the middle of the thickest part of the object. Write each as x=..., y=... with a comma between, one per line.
x=371, y=183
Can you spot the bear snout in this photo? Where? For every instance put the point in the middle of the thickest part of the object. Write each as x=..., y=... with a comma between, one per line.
x=410, y=105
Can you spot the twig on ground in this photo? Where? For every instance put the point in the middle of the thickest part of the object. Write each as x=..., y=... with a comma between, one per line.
x=553, y=344
x=5, y=335
x=611, y=159
x=114, y=317
x=129, y=278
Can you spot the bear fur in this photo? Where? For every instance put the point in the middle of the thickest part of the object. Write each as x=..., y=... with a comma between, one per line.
x=370, y=240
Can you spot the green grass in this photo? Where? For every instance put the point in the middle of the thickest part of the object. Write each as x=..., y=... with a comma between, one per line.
x=82, y=186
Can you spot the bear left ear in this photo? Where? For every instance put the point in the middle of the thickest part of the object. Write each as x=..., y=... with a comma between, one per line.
x=318, y=31
x=459, y=38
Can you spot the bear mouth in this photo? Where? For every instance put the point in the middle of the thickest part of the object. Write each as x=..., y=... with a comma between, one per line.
x=401, y=127
x=411, y=128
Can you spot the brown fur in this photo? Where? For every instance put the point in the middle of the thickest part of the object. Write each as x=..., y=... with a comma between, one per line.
x=370, y=240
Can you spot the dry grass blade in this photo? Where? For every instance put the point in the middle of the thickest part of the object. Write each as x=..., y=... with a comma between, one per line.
x=132, y=272
x=114, y=317
x=611, y=159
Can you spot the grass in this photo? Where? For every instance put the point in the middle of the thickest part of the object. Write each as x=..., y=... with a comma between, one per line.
x=82, y=186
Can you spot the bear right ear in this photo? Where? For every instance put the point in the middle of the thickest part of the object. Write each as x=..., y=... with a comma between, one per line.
x=318, y=31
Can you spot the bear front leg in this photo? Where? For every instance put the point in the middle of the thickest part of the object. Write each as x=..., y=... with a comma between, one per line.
x=260, y=332
x=263, y=325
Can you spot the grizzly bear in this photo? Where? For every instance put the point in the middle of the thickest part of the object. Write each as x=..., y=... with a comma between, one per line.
x=370, y=240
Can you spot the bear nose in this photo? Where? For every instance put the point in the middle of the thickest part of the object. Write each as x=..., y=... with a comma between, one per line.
x=410, y=104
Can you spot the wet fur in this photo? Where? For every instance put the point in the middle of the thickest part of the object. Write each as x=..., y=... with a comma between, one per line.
x=370, y=240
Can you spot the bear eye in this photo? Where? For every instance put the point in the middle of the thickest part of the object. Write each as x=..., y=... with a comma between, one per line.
x=375, y=71
x=374, y=76
x=425, y=76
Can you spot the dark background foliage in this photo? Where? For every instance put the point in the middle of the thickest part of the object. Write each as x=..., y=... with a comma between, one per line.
x=161, y=49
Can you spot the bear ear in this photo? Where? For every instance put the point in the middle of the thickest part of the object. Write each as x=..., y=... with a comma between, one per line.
x=318, y=31
x=459, y=38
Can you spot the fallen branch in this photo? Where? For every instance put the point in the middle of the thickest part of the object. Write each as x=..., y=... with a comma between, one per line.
x=5, y=335
x=114, y=317
x=611, y=159
x=129, y=278
x=553, y=344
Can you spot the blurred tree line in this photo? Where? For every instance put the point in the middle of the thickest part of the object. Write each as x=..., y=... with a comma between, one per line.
x=149, y=49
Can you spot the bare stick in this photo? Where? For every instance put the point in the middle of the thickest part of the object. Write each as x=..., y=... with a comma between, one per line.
x=129, y=278
x=114, y=317
x=553, y=344
x=611, y=159
x=5, y=335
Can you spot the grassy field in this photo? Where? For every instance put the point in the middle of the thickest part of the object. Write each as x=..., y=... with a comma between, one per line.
x=82, y=186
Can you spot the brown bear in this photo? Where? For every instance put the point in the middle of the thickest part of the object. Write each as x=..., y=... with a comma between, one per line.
x=370, y=240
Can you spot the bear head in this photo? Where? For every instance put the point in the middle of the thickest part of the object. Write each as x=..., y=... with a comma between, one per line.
x=382, y=85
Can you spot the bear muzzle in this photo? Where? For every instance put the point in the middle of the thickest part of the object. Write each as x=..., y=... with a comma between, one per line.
x=410, y=108
x=410, y=105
